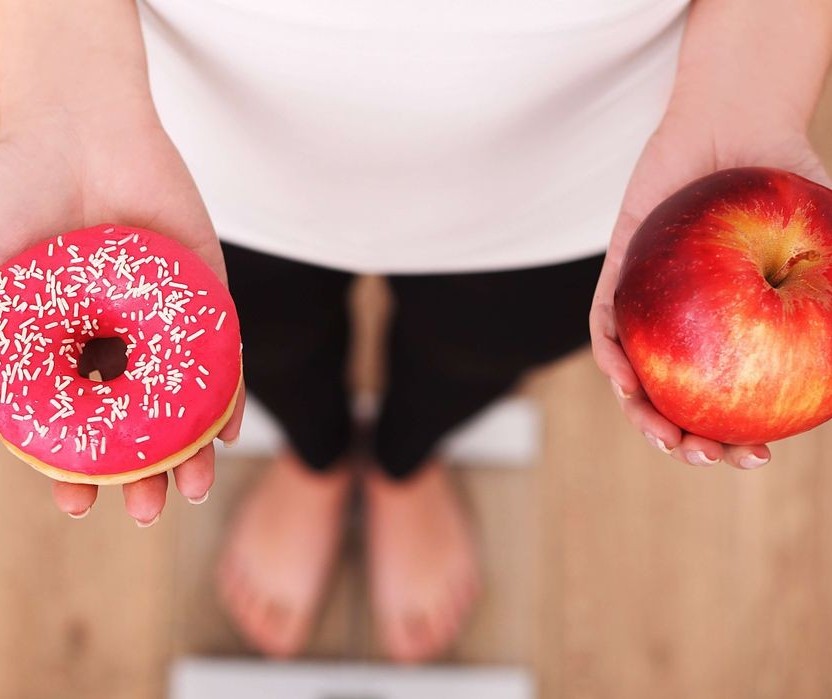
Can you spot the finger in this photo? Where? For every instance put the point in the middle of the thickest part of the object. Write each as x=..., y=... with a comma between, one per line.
x=74, y=499
x=195, y=476
x=608, y=353
x=611, y=360
x=657, y=429
x=231, y=432
x=747, y=457
x=698, y=451
x=145, y=499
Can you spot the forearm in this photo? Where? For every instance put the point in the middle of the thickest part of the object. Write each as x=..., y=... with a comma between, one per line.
x=755, y=62
x=75, y=55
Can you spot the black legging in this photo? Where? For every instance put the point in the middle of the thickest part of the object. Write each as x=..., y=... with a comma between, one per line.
x=457, y=342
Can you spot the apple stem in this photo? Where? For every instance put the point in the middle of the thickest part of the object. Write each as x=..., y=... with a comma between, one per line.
x=780, y=275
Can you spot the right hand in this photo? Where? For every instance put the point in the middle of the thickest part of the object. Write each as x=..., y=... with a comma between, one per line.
x=61, y=170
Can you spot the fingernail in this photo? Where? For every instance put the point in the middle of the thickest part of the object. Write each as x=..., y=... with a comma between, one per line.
x=80, y=515
x=656, y=442
x=698, y=458
x=616, y=387
x=145, y=525
x=750, y=461
x=199, y=501
x=231, y=442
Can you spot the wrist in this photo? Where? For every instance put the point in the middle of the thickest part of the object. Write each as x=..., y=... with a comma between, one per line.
x=734, y=122
x=754, y=67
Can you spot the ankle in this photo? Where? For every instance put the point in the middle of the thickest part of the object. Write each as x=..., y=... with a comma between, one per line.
x=334, y=478
x=377, y=483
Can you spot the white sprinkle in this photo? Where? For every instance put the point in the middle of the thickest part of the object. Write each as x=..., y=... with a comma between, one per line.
x=181, y=411
x=141, y=439
x=103, y=445
x=203, y=370
x=200, y=382
x=25, y=442
x=202, y=292
x=220, y=320
x=57, y=448
x=63, y=431
x=50, y=250
x=195, y=335
x=141, y=455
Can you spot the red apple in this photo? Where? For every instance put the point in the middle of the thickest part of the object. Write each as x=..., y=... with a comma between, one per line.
x=724, y=305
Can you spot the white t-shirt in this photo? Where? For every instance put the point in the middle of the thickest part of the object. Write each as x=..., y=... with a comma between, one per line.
x=413, y=135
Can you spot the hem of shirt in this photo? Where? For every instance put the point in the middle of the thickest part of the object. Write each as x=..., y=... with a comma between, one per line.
x=345, y=262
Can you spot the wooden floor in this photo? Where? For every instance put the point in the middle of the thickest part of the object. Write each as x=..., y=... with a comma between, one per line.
x=612, y=571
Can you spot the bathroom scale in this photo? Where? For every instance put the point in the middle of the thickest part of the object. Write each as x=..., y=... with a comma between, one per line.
x=217, y=678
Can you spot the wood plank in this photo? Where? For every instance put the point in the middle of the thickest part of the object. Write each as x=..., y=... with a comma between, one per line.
x=84, y=605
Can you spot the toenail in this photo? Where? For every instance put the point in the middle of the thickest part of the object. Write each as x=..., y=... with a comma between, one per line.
x=80, y=515
x=199, y=501
x=145, y=525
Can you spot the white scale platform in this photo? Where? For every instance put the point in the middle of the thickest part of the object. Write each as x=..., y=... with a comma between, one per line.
x=251, y=679
x=508, y=433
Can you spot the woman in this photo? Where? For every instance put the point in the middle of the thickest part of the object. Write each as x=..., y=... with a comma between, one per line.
x=476, y=153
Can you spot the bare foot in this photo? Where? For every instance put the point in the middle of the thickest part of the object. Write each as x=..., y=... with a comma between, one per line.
x=423, y=570
x=276, y=563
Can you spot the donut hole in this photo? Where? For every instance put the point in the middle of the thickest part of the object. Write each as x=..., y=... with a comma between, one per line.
x=103, y=359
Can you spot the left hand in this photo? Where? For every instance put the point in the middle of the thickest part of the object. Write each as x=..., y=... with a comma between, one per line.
x=684, y=147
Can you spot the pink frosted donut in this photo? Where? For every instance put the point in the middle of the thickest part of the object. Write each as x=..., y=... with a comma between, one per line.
x=170, y=382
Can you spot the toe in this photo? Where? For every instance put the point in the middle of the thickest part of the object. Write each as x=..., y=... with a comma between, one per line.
x=396, y=639
x=444, y=622
x=74, y=499
x=228, y=578
x=288, y=631
x=247, y=609
x=418, y=637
